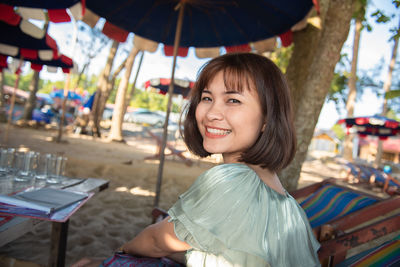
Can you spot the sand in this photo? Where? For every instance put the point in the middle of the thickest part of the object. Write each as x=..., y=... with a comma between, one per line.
x=118, y=213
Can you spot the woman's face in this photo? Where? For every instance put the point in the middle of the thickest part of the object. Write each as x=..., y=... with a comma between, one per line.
x=229, y=121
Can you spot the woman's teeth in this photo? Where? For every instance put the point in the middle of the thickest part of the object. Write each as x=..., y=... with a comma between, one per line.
x=218, y=131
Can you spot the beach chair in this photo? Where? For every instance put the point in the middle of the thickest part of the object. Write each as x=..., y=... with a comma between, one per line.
x=386, y=254
x=389, y=184
x=173, y=150
x=333, y=252
x=355, y=173
x=333, y=210
x=360, y=174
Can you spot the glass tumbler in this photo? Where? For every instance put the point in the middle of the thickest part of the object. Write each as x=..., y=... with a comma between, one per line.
x=43, y=168
x=56, y=169
x=6, y=161
x=25, y=165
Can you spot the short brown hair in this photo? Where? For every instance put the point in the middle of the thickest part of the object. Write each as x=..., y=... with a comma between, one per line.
x=276, y=145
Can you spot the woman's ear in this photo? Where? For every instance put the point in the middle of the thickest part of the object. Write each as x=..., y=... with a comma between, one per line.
x=263, y=127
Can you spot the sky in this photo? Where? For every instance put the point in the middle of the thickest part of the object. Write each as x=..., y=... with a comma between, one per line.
x=374, y=47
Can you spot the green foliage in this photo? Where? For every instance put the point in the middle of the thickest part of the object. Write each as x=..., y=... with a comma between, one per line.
x=281, y=57
x=392, y=94
x=152, y=101
x=380, y=17
x=339, y=131
x=49, y=86
x=24, y=80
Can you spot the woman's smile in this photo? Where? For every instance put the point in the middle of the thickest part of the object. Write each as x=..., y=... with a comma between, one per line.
x=213, y=132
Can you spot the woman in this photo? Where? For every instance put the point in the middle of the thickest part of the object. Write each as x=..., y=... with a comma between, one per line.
x=237, y=213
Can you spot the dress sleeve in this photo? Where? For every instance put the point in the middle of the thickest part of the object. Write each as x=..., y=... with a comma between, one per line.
x=209, y=216
x=229, y=208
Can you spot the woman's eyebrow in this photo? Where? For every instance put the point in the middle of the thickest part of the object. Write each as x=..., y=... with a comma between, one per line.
x=233, y=92
x=206, y=91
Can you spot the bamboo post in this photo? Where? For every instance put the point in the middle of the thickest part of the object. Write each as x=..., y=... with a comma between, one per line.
x=178, y=32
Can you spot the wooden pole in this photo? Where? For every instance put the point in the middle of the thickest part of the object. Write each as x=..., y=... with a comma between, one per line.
x=63, y=109
x=170, y=93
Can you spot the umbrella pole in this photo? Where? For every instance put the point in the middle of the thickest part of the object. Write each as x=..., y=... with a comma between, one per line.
x=63, y=108
x=170, y=93
x=12, y=104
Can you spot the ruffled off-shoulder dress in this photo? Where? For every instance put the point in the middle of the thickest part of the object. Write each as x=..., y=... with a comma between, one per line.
x=231, y=218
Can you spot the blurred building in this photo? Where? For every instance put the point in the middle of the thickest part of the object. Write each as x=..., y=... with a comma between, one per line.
x=326, y=141
x=391, y=149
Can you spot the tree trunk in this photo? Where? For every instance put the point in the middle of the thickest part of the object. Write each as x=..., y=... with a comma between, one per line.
x=132, y=91
x=95, y=115
x=310, y=73
x=31, y=101
x=351, y=98
x=119, y=108
x=110, y=86
x=386, y=88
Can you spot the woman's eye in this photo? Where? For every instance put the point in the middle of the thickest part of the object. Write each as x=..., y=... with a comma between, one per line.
x=232, y=100
x=206, y=98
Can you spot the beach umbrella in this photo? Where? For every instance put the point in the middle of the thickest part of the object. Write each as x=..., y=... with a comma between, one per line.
x=71, y=95
x=239, y=25
x=17, y=44
x=376, y=125
x=161, y=85
x=201, y=24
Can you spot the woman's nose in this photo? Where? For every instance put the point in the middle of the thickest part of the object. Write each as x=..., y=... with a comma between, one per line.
x=215, y=112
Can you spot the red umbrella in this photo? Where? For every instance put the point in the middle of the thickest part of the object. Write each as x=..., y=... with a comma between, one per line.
x=376, y=125
x=161, y=85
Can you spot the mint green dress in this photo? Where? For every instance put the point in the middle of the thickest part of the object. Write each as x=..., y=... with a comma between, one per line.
x=231, y=218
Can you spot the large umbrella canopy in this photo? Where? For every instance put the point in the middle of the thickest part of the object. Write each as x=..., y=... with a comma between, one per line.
x=205, y=23
x=14, y=41
x=181, y=87
x=376, y=125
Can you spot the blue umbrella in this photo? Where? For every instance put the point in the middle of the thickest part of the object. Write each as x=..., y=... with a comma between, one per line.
x=71, y=95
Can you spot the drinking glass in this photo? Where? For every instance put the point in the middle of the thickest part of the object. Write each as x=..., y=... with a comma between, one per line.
x=6, y=161
x=25, y=166
x=56, y=169
x=43, y=168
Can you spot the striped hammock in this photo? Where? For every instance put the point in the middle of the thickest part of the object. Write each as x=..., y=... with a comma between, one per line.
x=331, y=202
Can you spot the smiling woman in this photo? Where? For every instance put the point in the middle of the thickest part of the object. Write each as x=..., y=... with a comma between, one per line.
x=237, y=213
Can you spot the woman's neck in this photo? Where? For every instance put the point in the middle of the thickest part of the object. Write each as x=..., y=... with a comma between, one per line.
x=269, y=178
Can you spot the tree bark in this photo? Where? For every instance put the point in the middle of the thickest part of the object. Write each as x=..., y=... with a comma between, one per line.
x=310, y=73
x=95, y=115
x=132, y=91
x=119, y=107
x=31, y=101
x=110, y=86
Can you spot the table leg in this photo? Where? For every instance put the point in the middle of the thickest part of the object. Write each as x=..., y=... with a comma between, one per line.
x=58, y=244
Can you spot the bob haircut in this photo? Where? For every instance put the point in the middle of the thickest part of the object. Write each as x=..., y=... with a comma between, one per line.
x=276, y=145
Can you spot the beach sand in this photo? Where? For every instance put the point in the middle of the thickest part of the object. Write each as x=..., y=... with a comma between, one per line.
x=118, y=213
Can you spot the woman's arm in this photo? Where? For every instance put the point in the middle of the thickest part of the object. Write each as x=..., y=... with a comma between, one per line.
x=156, y=240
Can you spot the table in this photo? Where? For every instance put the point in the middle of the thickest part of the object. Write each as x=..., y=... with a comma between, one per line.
x=19, y=226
